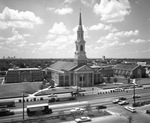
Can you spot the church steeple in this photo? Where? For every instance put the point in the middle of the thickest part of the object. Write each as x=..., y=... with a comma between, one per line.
x=80, y=54
x=80, y=20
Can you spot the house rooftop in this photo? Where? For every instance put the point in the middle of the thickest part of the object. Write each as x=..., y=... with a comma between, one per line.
x=125, y=66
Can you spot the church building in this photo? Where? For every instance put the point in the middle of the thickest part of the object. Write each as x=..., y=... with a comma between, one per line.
x=78, y=72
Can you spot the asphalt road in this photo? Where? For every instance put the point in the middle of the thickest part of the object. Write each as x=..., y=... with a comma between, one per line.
x=120, y=114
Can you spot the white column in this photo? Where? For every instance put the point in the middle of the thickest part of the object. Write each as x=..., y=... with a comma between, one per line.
x=69, y=78
x=64, y=80
x=87, y=79
x=92, y=78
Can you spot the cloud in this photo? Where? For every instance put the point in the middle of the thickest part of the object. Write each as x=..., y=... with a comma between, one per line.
x=14, y=18
x=112, y=10
x=137, y=41
x=68, y=1
x=101, y=26
x=16, y=36
x=59, y=29
x=97, y=27
x=26, y=35
x=50, y=36
x=127, y=33
x=55, y=43
x=22, y=44
x=64, y=11
x=113, y=38
x=50, y=8
x=87, y=3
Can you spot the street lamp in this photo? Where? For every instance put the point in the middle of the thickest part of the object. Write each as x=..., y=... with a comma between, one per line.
x=134, y=94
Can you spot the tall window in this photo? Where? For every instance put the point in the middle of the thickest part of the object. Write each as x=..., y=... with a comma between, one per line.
x=81, y=48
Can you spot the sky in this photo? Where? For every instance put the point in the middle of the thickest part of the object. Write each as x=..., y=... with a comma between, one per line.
x=47, y=28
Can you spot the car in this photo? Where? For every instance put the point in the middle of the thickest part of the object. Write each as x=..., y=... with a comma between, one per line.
x=148, y=111
x=101, y=107
x=122, y=98
x=78, y=110
x=136, y=96
x=119, y=100
x=129, y=108
x=6, y=112
x=83, y=119
x=116, y=101
x=123, y=103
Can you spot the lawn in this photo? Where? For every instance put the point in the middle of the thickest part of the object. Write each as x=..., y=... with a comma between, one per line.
x=16, y=89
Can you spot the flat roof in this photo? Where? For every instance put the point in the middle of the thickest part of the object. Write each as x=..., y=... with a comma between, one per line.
x=22, y=69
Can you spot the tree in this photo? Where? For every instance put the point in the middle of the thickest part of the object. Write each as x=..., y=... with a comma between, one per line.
x=62, y=115
x=128, y=80
x=97, y=107
x=115, y=80
x=88, y=108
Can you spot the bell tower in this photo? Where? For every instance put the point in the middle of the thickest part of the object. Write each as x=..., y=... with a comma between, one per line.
x=80, y=54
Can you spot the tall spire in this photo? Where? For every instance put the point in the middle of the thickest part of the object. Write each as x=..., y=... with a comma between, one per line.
x=80, y=19
x=80, y=54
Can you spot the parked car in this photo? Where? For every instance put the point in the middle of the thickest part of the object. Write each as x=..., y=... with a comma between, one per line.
x=148, y=111
x=83, y=119
x=136, y=96
x=123, y=103
x=101, y=107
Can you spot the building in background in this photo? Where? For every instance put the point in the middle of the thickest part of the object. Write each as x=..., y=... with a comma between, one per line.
x=130, y=70
x=103, y=58
x=15, y=75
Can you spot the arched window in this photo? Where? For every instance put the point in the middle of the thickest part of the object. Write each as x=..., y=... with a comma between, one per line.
x=81, y=48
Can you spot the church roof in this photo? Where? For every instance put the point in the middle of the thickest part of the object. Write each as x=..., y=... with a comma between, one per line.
x=83, y=67
x=63, y=66
x=125, y=66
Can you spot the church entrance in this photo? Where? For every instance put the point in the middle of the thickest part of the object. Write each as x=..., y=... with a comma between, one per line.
x=81, y=80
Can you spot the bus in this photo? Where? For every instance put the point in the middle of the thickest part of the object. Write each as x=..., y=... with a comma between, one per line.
x=7, y=103
x=38, y=109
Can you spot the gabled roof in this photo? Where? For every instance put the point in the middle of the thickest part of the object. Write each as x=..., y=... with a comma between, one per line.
x=62, y=66
x=83, y=68
x=125, y=66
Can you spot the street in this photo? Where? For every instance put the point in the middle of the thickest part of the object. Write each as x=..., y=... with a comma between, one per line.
x=119, y=113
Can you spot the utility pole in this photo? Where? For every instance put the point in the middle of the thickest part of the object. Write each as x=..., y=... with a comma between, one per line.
x=134, y=94
x=23, y=104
